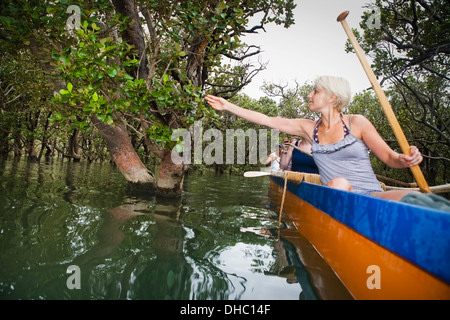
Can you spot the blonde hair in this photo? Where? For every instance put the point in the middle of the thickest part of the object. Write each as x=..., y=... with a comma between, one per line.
x=336, y=86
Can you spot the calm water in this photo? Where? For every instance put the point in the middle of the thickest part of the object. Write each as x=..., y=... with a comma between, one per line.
x=217, y=241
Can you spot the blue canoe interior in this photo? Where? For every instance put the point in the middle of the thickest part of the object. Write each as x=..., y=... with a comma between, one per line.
x=417, y=234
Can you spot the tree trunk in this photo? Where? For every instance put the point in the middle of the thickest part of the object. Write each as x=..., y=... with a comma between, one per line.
x=44, y=144
x=171, y=176
x=195, y=69
x=432, y=168
x=134, y=34
x=30, y=150
x=73, y=150
x=124, y=155
x=4, y=145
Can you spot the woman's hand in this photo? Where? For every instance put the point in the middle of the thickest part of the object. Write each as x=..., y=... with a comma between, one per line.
x=216, y=103
x=414, y=158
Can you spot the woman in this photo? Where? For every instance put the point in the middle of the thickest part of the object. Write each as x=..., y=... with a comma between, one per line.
x=274, y=159
x=340, y=143
x=298, y=157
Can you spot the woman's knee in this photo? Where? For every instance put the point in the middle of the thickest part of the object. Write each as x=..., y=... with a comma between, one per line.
x=340, y=183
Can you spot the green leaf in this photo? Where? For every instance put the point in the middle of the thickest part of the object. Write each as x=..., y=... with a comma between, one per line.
x=222, y=5
x=180, y=148
x=109, y=120
x=107, y=39
x=55, y=117
x=69, y=87
x=83, y=53
x=50, y=10
x=112, y=72
x=87, y=108
x=95, y=96
x=64, y=60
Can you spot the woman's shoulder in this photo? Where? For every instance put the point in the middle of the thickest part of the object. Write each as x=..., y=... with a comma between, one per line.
x=354, y=116
x=356, y=119
x=360, y=125
x=305, y=122
x=304, y=127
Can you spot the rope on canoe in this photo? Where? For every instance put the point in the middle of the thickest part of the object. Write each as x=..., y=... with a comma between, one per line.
x=282, y=203
x=298, y=177
x=295, y=177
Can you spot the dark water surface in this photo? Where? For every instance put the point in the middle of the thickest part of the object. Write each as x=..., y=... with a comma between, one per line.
x=214, y=242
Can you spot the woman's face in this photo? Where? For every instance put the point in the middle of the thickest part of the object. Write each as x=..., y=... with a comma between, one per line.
x=318, y=99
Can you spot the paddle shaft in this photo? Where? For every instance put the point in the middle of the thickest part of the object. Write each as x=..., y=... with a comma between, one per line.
x=385, y=105
x=297, y=148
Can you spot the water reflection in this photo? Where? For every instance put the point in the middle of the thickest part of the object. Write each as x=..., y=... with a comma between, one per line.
x=217, y=241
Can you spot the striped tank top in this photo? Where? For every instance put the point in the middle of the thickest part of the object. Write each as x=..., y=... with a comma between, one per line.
x=347, y=158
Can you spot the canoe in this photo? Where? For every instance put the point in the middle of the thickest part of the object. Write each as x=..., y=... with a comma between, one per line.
x=379, y=249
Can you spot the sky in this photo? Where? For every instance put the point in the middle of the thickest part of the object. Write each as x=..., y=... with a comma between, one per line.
x=313, y=46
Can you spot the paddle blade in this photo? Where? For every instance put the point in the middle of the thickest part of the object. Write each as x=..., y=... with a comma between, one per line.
x=254, y=174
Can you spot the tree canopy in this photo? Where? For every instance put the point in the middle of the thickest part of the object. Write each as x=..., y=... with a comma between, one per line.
x=137, y=69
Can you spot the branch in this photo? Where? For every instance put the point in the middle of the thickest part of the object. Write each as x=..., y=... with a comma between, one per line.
x=150, y=144
x=227, y=91
x=425, y=109
x=433, y=13
x=253, y=29
x=246, y=55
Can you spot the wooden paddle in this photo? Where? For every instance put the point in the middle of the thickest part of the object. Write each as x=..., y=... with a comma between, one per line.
x=417, y=173
x=255, y=174
x=297, y=148
x=294, y=176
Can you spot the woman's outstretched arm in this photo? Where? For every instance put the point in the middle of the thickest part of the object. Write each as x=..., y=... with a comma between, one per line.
x=299, y=127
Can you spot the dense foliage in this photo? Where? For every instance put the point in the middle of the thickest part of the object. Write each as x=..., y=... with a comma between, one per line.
x=411, y=55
